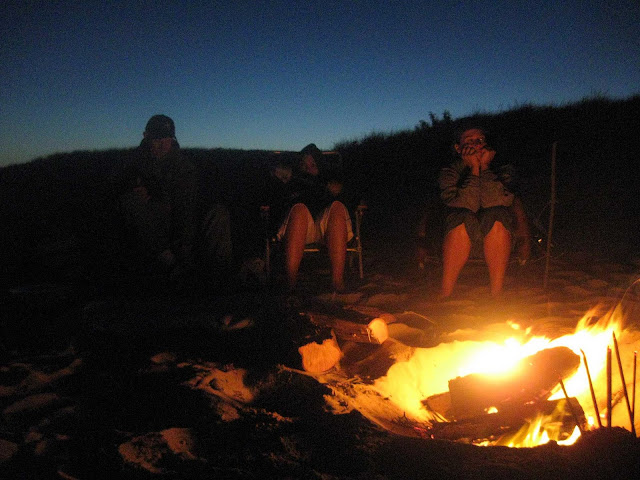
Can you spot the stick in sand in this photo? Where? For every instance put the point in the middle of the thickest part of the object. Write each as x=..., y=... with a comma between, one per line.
x=573, y=413
x=624, y=385
x=633, y=396
x=593, y=393
x=552, y=209
x=608, y=386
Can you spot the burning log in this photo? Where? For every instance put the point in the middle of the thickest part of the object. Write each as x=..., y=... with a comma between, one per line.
x=532, y=380
x=516, y=399
x=492, y=426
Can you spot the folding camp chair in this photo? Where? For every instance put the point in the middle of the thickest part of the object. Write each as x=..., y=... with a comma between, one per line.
x=354, y=246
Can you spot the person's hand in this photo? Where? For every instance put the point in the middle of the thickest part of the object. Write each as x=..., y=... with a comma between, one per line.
x=486, y=156
x=471, y=157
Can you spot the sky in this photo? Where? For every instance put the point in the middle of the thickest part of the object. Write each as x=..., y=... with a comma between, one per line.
x=277, y=75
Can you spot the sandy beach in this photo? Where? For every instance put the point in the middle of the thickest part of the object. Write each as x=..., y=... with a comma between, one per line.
x=207, y=387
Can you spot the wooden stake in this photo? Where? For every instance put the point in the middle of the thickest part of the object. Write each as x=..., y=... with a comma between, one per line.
x=551, y=213
x=624, y=385
x=633, y=404
x=593, y=393
x=608, y=386
x=573, y=413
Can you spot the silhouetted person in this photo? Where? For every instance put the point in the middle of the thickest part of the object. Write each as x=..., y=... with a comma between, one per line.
x=310, y=208
x=159, y=206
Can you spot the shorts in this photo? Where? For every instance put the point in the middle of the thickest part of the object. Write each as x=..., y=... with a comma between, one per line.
x=479, y=224
x=317, y=227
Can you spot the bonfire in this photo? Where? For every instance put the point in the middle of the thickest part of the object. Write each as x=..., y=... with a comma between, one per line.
x=516, y=389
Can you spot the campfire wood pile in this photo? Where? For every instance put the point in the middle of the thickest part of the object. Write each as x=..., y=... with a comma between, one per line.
x=484, y=407
x=320, y=346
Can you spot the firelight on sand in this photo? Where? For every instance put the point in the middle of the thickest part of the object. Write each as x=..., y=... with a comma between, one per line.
x=429, y=370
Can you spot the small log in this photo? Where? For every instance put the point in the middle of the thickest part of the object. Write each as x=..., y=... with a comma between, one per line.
x=375, y=331
x=371, y=361
x=532, y=380
x=317, y=334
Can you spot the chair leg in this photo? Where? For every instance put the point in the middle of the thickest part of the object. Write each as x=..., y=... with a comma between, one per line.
x=267, y=259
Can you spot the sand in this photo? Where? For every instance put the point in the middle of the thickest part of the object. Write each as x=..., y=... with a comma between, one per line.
x=209, y=388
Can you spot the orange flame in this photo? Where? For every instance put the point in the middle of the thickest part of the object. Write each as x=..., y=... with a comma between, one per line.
x=428, y=371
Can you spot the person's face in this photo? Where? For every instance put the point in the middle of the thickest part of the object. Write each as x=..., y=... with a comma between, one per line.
x=283, y=173
x=334, y=187
x=308, y=165
x=474, y=138
x=160, y=147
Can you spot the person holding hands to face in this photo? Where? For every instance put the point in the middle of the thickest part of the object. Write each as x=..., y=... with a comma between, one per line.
x=481, y=214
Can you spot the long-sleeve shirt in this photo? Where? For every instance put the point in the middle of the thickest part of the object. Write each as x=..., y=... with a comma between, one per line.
x=460, y=189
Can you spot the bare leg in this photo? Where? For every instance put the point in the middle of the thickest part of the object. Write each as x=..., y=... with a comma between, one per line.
x=497, y=248
x=455, y=253
x=337, y=244
x=295, y=238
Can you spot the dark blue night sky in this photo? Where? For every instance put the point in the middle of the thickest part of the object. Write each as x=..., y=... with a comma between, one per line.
x=86, y=75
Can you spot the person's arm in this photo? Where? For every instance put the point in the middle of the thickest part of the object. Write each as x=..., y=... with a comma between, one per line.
x=494, y=193
x=459, y=189
x=497, y=187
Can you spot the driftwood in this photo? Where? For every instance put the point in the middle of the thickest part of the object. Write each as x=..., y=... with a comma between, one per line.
x=374, y=331
x=317, y=341
x=369, y=362
x=532, y=380
x=491, y=426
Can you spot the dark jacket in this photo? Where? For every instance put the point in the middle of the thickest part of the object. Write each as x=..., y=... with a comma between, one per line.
x=172, y=185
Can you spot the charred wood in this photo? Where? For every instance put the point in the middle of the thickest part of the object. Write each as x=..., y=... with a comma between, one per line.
x=490, y=427
x=372, y=331
x=531, y=380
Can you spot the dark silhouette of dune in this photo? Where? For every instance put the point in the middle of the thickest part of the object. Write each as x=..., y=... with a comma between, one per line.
x=59, y=220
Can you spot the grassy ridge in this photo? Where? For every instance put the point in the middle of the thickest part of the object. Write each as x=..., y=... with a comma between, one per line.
x=58, y=218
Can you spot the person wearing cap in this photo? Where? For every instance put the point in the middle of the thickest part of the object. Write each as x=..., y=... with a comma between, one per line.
x=159, y=206
x=315, y=212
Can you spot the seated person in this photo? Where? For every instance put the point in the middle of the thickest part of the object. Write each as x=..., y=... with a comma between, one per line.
x=158, y=201
x=308, y=207
x=482, y=212
x=429, y=233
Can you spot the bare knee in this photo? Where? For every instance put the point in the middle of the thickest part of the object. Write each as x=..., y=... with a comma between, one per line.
x=337, y=212
x=498, y=233
x=458, y=233
x=498, y=227
x=298, y=211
